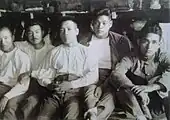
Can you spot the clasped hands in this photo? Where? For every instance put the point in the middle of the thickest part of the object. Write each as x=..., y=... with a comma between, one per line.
x=61, y=83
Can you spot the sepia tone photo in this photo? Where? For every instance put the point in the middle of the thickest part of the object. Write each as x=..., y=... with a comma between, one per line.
x=84, y=60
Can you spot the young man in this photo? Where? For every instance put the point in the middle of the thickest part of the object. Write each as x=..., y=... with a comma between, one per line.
x=68, y=68
x=37, y=50
x=15, y=68
x=142, y=81
x=108, y=47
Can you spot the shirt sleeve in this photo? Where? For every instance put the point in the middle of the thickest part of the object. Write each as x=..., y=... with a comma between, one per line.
x=23, y=80
x=118, y=76
x=90, y=74
x=164, y=80
x=46, y=72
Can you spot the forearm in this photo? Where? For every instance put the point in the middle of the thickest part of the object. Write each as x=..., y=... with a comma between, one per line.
x=156, y=87
x=88, y=79
x=18, y=89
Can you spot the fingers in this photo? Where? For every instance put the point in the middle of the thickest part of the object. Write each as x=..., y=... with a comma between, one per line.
x=137, y=89
x=2, y=106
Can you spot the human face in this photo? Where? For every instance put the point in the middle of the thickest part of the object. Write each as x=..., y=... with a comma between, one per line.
x=6, y=40
x=101, y=26
x=35, y=34
x=69, y=32
x=150, y=44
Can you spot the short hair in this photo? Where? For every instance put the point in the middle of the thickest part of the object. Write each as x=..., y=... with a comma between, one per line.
x=33, y=22
x=99, y=12
x=151, y=28
x=2, y=27
x=67, y=18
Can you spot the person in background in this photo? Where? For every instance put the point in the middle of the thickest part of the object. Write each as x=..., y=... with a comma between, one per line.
x=15, y=68
x=142, y=80
x=108, y=47
x=67, y=69
x=37, y=49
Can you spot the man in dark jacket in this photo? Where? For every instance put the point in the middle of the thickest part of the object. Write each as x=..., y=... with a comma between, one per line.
x=108, y=48
x=142, y=81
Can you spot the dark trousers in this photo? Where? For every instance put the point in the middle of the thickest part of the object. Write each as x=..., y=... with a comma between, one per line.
x=30, y=106
x=11, y=111
x=131, y=103
x=64, y=106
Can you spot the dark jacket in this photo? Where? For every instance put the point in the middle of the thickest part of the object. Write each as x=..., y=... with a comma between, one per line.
x=120, y=46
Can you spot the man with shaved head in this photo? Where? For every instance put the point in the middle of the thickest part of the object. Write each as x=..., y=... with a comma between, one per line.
x=67, y=68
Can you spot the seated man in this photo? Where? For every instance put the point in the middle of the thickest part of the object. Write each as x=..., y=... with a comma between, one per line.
x=142, y=81
x=108, y=47
x=66, y=69
x=15, y=68
x=37, y=50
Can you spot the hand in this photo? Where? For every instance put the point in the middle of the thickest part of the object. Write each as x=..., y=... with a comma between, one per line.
x=3, y=103
x=65, y=86
x=142, y=88
x=24, y=77
x=144, y=98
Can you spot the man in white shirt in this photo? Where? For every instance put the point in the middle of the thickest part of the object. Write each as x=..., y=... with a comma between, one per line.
x=68, y=68
x=15, y=68
x=37, y=49
x=108, y=47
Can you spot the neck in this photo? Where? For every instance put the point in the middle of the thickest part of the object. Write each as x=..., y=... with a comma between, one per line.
x=103, y=37
x=40, y=45
x=71, y=44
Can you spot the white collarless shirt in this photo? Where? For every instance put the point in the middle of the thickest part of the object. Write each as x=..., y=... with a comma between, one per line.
x=100, y=49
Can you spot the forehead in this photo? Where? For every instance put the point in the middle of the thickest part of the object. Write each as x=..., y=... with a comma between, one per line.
x=152, y=36
x=5, y=31
x=68, y=23
x=34, y=27
x=103, y=18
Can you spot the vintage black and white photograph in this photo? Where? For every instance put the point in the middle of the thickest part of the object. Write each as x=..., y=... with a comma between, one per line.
x=84, y=59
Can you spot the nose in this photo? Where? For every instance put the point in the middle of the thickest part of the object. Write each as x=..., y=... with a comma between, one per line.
x=149, y=45
x=100, y=25
x=65, y=31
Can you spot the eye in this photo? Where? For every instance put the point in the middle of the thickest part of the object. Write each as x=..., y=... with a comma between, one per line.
x=154, y=42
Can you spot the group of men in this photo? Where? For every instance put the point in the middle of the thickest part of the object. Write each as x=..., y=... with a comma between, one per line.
x=83, y=79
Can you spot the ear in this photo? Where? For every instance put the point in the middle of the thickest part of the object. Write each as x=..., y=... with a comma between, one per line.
x=77, y=31
x=110, y=23
x=91, y=26
x=43, y=33
x=13, y=37
x=138, y=41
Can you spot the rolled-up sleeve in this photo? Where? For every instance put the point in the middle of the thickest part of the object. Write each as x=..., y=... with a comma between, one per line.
x=165, y=79
x=118, y=77
x=23, y=80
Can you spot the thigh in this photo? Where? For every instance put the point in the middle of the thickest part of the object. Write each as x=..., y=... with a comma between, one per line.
x=4, y=89
x=129, y=102
x=16, y=100
x=106, y=105
x=49, y=109
x=71, y=109
x=92, y=94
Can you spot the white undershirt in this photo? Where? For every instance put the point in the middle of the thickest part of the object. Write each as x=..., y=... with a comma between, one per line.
x=100, y=48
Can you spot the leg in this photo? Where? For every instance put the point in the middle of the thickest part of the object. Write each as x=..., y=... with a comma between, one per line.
x=12, y=108
x=128, y=100
x=29, y=105
x=105, y=106
x=92, y=95
x=71, y=109
x=49, y=109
